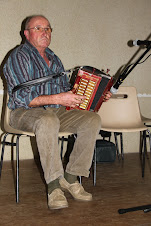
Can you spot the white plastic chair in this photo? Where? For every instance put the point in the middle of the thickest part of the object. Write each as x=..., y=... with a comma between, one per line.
x=18, y=133
x=122, y=114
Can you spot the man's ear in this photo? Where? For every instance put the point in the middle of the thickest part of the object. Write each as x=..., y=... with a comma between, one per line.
x=26, y=33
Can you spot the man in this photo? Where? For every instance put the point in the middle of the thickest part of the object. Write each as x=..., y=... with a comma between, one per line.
x=42, y=109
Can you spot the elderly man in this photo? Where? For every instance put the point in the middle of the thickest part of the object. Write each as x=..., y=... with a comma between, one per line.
x=42, y=109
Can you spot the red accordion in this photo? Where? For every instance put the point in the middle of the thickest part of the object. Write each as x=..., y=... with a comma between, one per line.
x=94, y=84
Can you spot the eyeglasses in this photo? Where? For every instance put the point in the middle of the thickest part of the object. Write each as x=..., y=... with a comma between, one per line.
x=41, y=29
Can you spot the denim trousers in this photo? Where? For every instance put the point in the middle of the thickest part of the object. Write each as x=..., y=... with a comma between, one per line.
x=46, y=124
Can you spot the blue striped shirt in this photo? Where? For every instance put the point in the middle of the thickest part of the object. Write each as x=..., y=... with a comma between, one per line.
x=25, y=64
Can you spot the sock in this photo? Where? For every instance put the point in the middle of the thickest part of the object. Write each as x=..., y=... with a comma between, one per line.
x=70, y=178
x=53, y=185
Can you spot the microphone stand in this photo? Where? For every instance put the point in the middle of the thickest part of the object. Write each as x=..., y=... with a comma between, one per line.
x=145, y=208
x=126, y=71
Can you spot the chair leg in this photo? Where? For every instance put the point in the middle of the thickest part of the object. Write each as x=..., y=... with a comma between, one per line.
x=149, y=135
x=122, y=152
x=144, y=147
x=62, y=142
x=141, y=142
x=17, y=168
x=80, y=179
x=94, y=166
x=117, y=147
x=2, y=153
x=116, y=144
x=17, y=160
x=144, y=152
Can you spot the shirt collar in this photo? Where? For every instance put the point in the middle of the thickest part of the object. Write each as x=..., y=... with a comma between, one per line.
x=32, y=48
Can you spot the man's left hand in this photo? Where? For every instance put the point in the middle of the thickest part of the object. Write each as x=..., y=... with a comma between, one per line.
x=107, y=96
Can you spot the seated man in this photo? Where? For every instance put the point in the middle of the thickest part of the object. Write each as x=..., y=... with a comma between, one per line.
x=41, y=109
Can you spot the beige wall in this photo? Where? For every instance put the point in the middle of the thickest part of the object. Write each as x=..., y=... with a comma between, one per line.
x=87, y=32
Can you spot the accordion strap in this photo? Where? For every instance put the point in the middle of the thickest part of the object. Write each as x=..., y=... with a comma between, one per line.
x=56, y=75
x=38, y=81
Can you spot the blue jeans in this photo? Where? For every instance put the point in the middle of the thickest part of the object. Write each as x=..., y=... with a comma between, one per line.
x=46, y=124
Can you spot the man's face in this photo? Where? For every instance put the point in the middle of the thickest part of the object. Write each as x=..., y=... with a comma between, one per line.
x=39, y=39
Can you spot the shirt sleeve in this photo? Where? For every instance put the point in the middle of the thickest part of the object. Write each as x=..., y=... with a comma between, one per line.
x=16, y=71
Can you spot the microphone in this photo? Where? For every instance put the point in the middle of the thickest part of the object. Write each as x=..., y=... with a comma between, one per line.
x=113, y=90
x=140, y=42
x=127, y=70
x=115, y=87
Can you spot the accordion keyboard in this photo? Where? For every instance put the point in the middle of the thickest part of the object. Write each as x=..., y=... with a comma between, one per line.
x=86, y=88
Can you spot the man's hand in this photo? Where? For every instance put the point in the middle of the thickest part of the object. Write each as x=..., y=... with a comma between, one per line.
x=107, y=96
x=70, y=99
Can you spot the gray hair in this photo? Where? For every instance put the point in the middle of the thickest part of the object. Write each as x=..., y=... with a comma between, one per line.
x=29, y=18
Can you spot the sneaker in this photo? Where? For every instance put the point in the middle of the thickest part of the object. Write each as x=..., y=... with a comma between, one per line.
x=57, y=200
x=76, y=190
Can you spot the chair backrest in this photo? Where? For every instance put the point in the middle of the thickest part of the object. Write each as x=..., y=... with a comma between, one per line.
x=7, y=126
x=122, y=113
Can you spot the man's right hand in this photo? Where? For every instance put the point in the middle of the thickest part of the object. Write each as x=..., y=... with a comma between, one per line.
x=70, y=99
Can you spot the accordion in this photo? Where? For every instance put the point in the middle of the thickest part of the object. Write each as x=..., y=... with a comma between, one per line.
x=92, y=83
